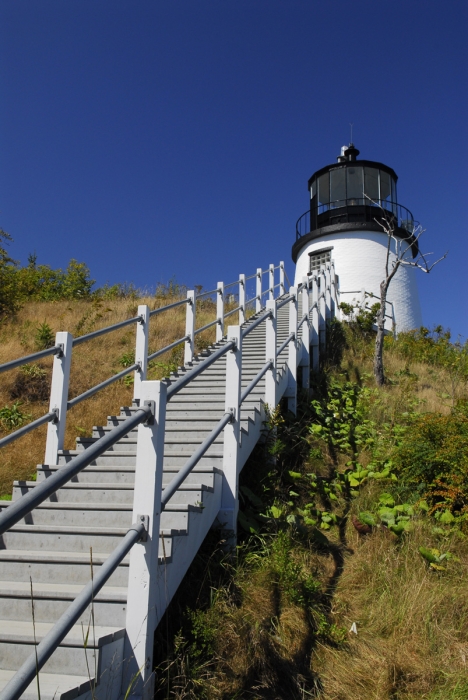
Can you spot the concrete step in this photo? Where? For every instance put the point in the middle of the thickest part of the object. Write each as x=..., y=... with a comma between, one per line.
x=104, y=516
x=17, y=640
x=54, y=686
x=51, y=600
x=52, y=566
x=123, y=477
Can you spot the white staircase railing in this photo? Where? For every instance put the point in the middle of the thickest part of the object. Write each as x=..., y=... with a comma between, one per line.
x=305, y=340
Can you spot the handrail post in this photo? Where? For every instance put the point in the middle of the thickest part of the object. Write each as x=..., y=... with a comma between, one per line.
x=305, y=333
x=141, y=349
x=335, y=310
x=227, y=515
x=59, y=397
x=190, y=328
x=282, y=287
x=270, y=355
x=271, y=278
x=291, y=390
x=146, y=590
x=315, y=330
x=241, y=299
x=322, y=311
x=258, y=291
x=328, y=295
x=220, y=311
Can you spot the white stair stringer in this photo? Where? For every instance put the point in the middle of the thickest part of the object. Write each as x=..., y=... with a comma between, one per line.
x=51, y=546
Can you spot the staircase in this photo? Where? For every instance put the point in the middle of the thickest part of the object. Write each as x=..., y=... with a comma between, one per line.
x=53, y=551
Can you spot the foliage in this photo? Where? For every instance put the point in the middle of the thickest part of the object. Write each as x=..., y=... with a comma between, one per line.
x=44, y=337
x=9, y=301
x=13, y=417
x=361, y=317
x=32, y=383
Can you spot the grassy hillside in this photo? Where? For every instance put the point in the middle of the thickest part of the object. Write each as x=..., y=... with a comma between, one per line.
x=349, y=582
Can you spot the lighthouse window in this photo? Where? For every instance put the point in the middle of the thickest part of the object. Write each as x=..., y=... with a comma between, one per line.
x=371, y=183
x=319, y=259
x=385, y=186
x=355, y=185
x=338, y=187
x=324, y=190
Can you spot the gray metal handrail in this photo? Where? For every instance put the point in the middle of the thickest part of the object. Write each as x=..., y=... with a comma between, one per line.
x=208, y=325
x=27, y=428
x=304, y=318
x=94, y=390
x=249, y=301
x=206, y=294
x=18, y=509
x=46, y=647
x=257, y=322
x=108, y=329
x=169, y=306
x=168, y=347
x=284, y=301
x=232, y=284
x=255, y=381
x=179, y=384
x=229, y=313
x=286, y=275
x=180, y=477
x=252, y=277
x=285, y=344
x=55, y=350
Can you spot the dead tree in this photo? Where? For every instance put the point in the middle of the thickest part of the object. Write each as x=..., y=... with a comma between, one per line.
x=401, y=255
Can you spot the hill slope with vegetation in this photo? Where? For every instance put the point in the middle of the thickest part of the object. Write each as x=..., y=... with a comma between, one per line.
x=349, y=581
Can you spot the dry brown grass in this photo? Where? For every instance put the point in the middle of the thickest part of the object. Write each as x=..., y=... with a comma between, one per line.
x=412, y=622
x=92, y=362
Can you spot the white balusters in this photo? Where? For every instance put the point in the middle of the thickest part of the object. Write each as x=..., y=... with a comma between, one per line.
x=271, y=278
x=282, y=287
x=241, y=299
x=270, y=355
x=189, y=349
x=258, y=288
x=141, y=349
x=315, y=329
x=291, y=391
x=59, y=397
x=144, y=595
x=220, y=311
x=227, y=516
x=305, y=335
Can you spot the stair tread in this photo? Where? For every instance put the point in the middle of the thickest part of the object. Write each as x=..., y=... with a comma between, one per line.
x=54, y=557
x=52, y=685
x=22, y=589
x=22, y=631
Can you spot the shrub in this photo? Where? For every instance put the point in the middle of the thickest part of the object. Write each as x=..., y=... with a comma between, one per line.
x=44, y=337
x=31, y=383
x=13, y=417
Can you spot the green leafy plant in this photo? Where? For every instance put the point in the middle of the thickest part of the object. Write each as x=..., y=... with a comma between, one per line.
x=44, y=337
x=13, y=417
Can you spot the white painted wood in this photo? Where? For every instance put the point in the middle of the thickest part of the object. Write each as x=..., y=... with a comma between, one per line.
x=270, y=354
x=59, y=397
x=258, y=290
x=322, y=311
x=305, y=334
x=291, y=391
x=190, y=328
x=335, y=305
x=241, y=299
x=141, y=349
x=315, y=330
x=229, y=499
x=327, y=293
x=282, y=287
x=142, y=615
x=220, y=311
x=271, y=278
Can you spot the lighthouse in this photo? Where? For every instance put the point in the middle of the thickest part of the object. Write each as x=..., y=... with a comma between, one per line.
x=349, y=200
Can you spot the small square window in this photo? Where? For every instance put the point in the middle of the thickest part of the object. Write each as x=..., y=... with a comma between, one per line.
x=319, y=259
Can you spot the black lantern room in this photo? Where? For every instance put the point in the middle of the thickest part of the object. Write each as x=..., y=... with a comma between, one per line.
x=353, y=195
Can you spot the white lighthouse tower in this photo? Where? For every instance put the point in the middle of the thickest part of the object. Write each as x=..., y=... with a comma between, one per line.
x=342, y=225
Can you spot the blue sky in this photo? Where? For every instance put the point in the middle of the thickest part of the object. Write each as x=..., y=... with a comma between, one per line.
x=154, y=139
